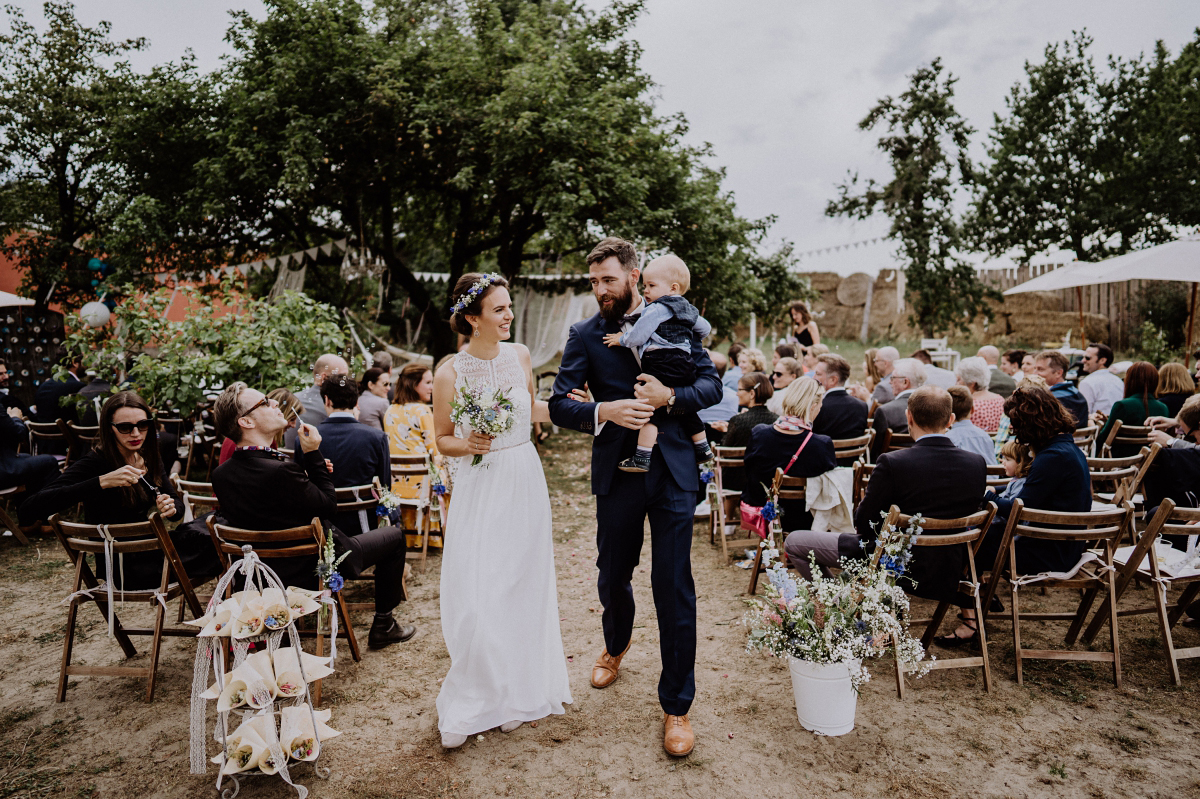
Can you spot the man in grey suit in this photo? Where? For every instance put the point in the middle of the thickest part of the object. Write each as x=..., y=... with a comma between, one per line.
x=908, y=374
x=1001, y=383
x=314, y=406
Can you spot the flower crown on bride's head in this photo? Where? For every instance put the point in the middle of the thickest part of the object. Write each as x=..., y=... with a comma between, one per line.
x=477, y=288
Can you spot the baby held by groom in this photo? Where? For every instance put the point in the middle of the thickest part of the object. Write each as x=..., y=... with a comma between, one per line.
x=662, y=338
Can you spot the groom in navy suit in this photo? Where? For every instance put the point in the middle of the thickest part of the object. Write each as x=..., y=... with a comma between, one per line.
x=667, y=494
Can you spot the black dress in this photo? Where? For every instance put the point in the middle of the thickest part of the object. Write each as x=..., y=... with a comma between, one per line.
x=81, y=483
x=804, y=337
x=770, y=449
x=738, y=435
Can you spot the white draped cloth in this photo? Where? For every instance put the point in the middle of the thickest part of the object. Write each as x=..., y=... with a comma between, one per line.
x=543, y=320
x=499, y=599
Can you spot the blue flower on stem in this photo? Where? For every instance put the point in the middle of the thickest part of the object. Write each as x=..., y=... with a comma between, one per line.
x=335, y=582
x=707, y=476
x=769, y=512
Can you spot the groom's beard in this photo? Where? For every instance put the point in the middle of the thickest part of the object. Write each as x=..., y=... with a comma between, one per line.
x=614, y=307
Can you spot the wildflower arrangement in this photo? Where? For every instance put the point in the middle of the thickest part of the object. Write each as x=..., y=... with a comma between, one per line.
x=388, y=507
x=857, y=615
x=327, y=567
x=477, y=288
x=436, y=483
x=489, y=415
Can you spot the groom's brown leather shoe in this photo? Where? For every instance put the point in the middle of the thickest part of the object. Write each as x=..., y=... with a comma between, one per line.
x=678, y=738
x=604, y=673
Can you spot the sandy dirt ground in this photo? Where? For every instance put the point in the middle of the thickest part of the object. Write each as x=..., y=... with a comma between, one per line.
x=1065, y=732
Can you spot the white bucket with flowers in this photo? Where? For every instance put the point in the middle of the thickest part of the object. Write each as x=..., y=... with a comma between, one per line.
x=827, y=627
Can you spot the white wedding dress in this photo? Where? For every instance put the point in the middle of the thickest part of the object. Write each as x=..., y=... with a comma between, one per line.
x=499, y=599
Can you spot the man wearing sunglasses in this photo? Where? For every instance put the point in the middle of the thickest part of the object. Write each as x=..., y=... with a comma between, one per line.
x=260, y=488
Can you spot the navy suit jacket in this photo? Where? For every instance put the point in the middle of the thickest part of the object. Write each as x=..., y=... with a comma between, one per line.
x=841, y=416
x=47, y=399
x=358, y=453
x=611, y=374
x=12, y=433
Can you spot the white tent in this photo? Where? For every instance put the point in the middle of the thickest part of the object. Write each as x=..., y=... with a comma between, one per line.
x=7, y=300
x=1176, y=260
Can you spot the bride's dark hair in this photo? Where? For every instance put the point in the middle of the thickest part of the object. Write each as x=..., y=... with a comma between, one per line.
x=458, y=320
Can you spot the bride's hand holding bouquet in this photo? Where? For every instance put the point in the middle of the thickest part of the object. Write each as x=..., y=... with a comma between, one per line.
x=487, y=417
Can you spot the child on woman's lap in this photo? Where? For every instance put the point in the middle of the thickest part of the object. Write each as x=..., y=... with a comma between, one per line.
x=663, y=337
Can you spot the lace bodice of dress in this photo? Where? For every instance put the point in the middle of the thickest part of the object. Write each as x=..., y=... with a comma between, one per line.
x=503, y=372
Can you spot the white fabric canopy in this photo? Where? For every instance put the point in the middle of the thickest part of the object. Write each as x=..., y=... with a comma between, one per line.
x=543, y=320
x=1175, y=260
x=7, y=300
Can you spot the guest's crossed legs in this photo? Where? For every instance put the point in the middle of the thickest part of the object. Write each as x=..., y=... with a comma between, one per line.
x=620, y=516
x=384, y=548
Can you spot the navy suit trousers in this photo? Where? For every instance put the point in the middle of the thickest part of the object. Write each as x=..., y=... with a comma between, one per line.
x=620, y=516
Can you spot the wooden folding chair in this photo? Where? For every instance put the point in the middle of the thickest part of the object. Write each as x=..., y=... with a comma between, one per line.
x=1102, y=527
x=416, y=467
x=1140, y=563
x=723, y=458
x=79, y=438
x=1125, y=434
x=362, y=501
x=306, y=541
x=894, y=441
x=726, y=458
x=784, y=487
x=45, y=436
x=854, y=448
x=7, y=519
x=967, y=532
x=149, y=536
x=1085, y=439
x=997, y=479
x=1129, y=489
x=862, y=475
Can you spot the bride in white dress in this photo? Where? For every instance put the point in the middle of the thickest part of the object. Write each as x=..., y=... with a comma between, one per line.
x=499, y=599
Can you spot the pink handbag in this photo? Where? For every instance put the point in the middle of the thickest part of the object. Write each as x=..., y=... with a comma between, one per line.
x=752, y=518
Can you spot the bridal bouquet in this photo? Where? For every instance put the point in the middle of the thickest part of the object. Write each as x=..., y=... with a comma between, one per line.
x=488, y=415
x=858, y=614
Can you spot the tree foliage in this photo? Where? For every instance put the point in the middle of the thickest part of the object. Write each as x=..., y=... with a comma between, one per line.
x=925, y=141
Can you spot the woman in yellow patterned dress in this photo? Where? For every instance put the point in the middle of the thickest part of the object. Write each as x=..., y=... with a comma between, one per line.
x=408, y=423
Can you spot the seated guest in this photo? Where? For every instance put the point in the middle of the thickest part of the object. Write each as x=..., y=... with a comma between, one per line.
x=1001, y=382
x=883, y=363
x=16, y=468
x=933, y=478
x=734, y=372
x=787, y=370
x=383, y=360
x=1010, y=364
x=842, y=416
x=310, y=397
x=409, y=427
x=1051, y=366
x=789, y=444
x=782, y=351
x=1017, y=460
x=963, y=432
x=1100, y=387
x=373, y=402
x=751, y=359
x=754, y=390
x=47, y=400
x=1141, y=383
x=1005, y=434
x=6, y=396
x=1057, y=481
x=935, y=375
x=260, y=488
x=95, y=392
x=1176, y=433
x=809, y=361
x=724, y=410
x=988, y=407
x=122, y=480
x=907, y=375
x=358, y=453
x=1174, y=386
x=291, y=408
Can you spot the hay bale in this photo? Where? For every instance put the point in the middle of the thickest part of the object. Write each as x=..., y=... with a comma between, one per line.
x=852, y=291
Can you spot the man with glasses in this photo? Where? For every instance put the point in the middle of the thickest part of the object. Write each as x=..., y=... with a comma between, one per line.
x=1101, y=388
x=842, y=416
x=907, y=375
x=787, y=370
x=6, y=397
x=260, y=488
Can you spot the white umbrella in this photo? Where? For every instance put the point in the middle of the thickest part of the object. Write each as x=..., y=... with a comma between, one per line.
x=1176, y=260
x=7, y=299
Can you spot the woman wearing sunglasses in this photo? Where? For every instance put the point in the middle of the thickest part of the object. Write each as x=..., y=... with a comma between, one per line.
x=123, y=480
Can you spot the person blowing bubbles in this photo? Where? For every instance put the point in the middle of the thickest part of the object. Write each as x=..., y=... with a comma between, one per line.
x=662, y=339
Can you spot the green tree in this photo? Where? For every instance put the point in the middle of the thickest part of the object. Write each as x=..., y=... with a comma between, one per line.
x=925, y=141
x=1060, y=172
x=59, y=93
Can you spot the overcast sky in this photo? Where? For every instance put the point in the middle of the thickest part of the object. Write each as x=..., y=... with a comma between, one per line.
x=778, y=86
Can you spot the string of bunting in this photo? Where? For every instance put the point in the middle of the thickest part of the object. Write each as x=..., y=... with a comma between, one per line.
x=840, y=247
x=297, y=258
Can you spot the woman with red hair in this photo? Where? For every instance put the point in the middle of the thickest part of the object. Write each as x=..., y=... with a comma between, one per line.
x=1141, y=383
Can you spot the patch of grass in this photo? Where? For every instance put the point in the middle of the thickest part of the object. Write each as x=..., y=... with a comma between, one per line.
x=1058, y=686
x=1126, y=742
x=17, y=716
x=1059, y=770
x=39, y=683
x=979, y=746
x=27, y=753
